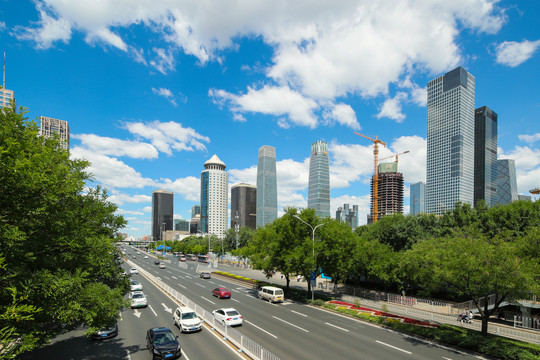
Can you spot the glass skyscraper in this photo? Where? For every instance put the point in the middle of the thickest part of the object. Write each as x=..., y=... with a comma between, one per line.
x=214, y=197
x=319, y=179
x=485, y=156
x=244, y=205
x=506, y=181
x=418, y=198
x=266, y=186
x=162, y=212
x=450, y=141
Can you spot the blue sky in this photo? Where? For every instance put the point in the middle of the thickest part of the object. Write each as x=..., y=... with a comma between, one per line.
x=152, y=89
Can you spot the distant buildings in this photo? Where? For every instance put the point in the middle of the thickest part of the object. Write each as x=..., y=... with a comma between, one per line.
x=506, y=181
x=195, y=210
x=266, y=189
x=162, y=213
x=450, y=141
x=348, y=216
x=50, y=127
x=485, y=156
x=319, y=179
x=390, y=191
x=418, y=198
x=5, y=97
x=181, y=225
x=214, y=197
x=244, y=206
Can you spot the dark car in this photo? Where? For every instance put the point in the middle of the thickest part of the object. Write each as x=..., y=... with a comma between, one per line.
x=221, y=293
x=106, y=333
x=156, y=262
x=163, y=344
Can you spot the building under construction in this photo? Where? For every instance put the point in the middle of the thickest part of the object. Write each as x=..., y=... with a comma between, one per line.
x=390, y=191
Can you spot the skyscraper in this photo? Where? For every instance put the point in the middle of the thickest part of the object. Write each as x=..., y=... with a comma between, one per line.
x=418, y=198
x=181, y=225
x=506, y=181
x=485, y=156
x=450, y=141
x=50, y=127
x=214, y=197
x=266, y=186
x=162, y=212
x=390, y=191
x=348, y=216
x=244, y=205
x=195, y=209
x=319, y=179
x=5, y=97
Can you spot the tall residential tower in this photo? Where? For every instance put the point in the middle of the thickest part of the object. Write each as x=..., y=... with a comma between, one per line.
x=214, y=197
x=266, y=186
x=50, y=127
x=319, y=179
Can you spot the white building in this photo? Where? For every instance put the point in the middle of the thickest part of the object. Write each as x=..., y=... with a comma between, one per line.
x=50, y=127
x=214, y=197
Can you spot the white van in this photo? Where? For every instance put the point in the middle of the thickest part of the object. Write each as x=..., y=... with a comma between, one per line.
x=271, y=293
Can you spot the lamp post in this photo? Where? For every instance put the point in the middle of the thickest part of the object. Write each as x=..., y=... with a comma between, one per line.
x=313, y=238
x=162, y=230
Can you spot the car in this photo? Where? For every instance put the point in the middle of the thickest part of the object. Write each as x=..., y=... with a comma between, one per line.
x=228, y=316
x=107, y=333
x=162, y=265
x=204, y=275
x=137, y=299
x=162, y=343
x=221, y=293
x=133, y=271
x=156, y=262
x=186, y=319
x=135, y=285
x=182, y=258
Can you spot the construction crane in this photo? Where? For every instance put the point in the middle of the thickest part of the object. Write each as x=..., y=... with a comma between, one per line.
x=396, y=155
x=376, y=143
x=535, y=191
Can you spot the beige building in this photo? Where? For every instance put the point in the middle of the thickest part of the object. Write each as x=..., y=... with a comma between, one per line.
x=50, y=127
x=5, y=97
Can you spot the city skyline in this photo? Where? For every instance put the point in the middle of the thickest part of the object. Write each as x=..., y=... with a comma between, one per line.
x=151, y=95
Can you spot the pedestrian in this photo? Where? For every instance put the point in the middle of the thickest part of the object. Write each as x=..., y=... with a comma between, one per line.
x=281, y=276
x=298, y=278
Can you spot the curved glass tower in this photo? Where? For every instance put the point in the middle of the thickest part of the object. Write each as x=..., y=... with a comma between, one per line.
x=319, y=179
x=266, y=186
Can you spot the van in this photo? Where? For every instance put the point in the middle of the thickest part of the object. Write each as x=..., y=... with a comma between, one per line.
x=162, y=265
x=271, y=293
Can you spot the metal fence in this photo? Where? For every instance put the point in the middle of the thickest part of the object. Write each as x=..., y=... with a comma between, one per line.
x=527, y=322
x=241, y=341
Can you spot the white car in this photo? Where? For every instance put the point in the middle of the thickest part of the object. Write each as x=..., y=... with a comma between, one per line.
x=135, y=285
x=146, y=256
x=228, y=316
x=186, y=319
x=137, y=299
x=133, y=271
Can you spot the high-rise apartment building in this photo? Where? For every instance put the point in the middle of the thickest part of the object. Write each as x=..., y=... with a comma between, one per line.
x=319, y=179
x=506, y=181
x=5, y=97
x=214, y=197
x=244, y=206
x=181, y=225
x=50, y=127
x=390, y=191
x=418, y=198
x=348, y=216
x=485, y=156
x=450, y=141
x=266, y=186
x=162, y=213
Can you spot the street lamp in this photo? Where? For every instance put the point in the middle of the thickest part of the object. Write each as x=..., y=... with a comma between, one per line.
x=313, y=238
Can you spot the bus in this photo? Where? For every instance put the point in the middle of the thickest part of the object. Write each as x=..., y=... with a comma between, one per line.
x=202, y=258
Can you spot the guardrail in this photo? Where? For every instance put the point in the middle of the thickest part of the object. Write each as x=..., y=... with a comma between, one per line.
x=241, y=341
x=526, y=322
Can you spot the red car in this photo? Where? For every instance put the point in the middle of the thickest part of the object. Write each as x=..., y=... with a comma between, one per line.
x=221, y=292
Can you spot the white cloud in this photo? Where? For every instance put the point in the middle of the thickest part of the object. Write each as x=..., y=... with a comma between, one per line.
x=129, y=212
x=513, y=53
x=166, y=93
x=531, y=139
x=168, y=136
x=116, y=147
x=342, y=114
x=164, y=60
x=391, y=108
x=122, y=198
x=47, y=31
x=188, y=187
x=108, y=37
x=527, y=166
x=147, y=209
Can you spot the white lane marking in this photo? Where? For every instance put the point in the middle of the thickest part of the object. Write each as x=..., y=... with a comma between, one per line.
x=182, y=286
x=210, y=301
x=235, y=300
x=296, y=312
x=166, y=278
x=446, y=358
x=169, y=310
x=211, y=282
x=174, y=277
x=200, y=285
x=137, y=313
x=152, y=310
x=249, y=322
x=286, y=322
x=393, y=347
x=337, y=327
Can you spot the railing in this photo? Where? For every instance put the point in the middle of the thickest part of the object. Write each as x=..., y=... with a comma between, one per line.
x=527, y=322
x=241, y=341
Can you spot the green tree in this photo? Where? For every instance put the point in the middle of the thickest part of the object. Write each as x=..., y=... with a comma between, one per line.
x=56, y=234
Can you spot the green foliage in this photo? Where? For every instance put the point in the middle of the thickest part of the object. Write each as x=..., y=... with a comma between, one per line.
x=57, y=237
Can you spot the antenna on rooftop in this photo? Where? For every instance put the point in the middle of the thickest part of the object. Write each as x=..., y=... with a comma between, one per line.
x=4, y=82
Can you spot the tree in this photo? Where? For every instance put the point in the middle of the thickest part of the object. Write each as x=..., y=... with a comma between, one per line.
x=474, y=266
x=56, y=234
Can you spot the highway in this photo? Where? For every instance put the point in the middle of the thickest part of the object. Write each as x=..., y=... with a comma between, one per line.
x=293, y=330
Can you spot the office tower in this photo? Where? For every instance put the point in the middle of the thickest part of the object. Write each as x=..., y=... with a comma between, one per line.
x=181, y=225
x=390, y=191
x=346, y=215
x=319, y=179
x=50, y=127
x=195, y=225
x=162, y=212
x=506, y=181
x=418, y=198
x=524, y=198
x=214, y=197
x=266, y=186
x=5, y=97
x=450, y=141
x=485, y=155
x=244, y=206
x=195, y=209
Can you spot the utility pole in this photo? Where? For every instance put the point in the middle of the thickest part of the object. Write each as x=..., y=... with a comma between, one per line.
x=236, y=228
